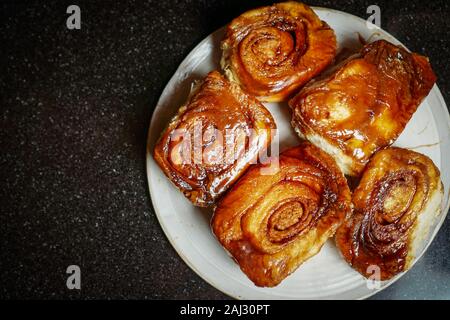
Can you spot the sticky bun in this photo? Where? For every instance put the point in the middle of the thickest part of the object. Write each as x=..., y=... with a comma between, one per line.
x=397, y=200
x=364, y=105
x=212, y=140
x=271, y=224
x=272, y=51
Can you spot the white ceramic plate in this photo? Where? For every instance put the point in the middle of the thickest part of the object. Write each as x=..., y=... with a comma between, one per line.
x=327, y=275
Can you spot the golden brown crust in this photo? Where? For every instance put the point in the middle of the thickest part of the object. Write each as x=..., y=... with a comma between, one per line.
x=365, y=105
x=272, y=51
x=273, y=223
x=204, y=170
x=395, y=190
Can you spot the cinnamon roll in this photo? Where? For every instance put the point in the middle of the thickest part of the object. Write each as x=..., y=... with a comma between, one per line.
x=272, y=51
x=212, y=140
x=364, y=105
x=271, y=224
x=395, y=203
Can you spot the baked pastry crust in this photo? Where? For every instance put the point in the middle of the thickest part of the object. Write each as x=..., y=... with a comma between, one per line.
x=363, y=106
x=272, y=51
x=221, y=117
x=271, y=224
x=395, y=203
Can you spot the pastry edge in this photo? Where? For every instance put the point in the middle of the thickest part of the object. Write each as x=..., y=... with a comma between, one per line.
x=426, y=218
x=344, y=162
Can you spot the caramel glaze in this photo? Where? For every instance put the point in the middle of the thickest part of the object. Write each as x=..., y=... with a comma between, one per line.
x=272, y=51
x=367, y=102
x=395, y=187
x=222, y=106
x=271, y=224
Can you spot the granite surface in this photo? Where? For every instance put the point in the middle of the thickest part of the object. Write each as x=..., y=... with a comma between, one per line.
x=75, y=109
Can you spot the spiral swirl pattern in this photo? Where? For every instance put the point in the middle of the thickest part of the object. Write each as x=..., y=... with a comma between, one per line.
x=272, y=51
x=270, y=230
x=394, y=191
x=194, y=149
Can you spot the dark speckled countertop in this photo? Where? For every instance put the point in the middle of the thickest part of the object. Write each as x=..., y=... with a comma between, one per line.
x=75, y=108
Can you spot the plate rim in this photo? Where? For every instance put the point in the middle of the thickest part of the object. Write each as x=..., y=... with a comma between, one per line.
x=148, y=157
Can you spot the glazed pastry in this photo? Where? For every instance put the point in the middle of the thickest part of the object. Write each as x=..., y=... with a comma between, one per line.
x=397, y=200
x=271, y=224
x=364, y=105
x=212, y=140
x=272, y=51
